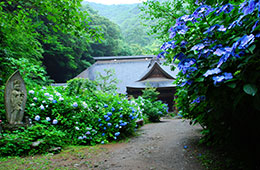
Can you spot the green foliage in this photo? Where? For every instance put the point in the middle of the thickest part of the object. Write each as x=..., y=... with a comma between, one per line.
x=107, y=82
x=163, y=14
x=77, y=86
x=54, y=32
x=134, y=33
x=152, y=109
x=150, y=93
x=33, y=140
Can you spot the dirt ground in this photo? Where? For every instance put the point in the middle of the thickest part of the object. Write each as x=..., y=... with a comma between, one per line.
x=168, y=145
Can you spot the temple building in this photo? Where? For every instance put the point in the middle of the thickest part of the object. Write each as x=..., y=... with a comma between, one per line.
x=135, y=73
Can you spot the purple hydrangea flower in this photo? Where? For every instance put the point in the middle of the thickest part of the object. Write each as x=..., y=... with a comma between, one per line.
x=88, y=133
x=80, y=137
x=35, y=98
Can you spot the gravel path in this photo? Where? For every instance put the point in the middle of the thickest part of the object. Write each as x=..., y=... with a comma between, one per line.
x=168, y=145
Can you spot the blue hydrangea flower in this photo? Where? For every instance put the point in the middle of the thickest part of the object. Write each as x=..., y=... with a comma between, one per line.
x=105, y=105
x=80, y=137
x=31, y=92
x=218, y=79
x=55, y=121
x=105, y=116
x=222, y=28
x=123, y=124
x=249, y=8
x=103, y=134
x=113, y=109
x=211, y=72
x=54, y=101
x=109, y=114
x=246, y=40
x=42, y=107
x=100, y=124
x=102, y=142
x=116, y=126
x=115, y=137
x=107, y=119
x=48, y=119
x=228, y=76
x=226, y=8
x=117, y=133
x=37, y=118
x=121, y=116
x=77, y=128
x=99, y=120
x=105, y=128
x=75, y=104
x=219, y=52
x=198, y=47
x=109, y=124
x=167, y=45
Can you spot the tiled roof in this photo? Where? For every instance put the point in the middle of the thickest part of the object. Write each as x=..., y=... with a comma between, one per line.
x=128, y=71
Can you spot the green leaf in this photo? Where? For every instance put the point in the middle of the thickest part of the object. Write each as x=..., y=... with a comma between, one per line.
x=250, y=89
x=251, y=49
x=232, y=85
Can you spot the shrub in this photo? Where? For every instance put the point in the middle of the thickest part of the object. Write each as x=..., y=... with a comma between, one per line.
x=153, y=110
x=35, y=139
x=218, y=83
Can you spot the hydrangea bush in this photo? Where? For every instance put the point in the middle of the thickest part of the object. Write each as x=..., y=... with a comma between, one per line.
x=93, y=117
x=218, y=85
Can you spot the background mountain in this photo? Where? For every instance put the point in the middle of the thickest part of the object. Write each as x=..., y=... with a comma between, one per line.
x=127, y=16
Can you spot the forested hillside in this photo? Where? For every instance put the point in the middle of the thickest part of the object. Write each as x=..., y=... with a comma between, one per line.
x=127, y=16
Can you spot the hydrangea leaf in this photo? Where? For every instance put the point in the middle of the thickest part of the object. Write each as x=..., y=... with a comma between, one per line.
x=250, y=89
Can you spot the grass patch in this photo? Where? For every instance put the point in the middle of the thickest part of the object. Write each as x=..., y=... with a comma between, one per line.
x=72, y=157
